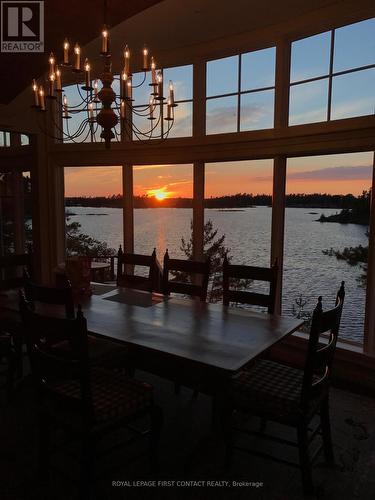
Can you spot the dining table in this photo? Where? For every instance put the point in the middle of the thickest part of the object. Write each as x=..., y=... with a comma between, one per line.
x=197, y=344
x=194, y=343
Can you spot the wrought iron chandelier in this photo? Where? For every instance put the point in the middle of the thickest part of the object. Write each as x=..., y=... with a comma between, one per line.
x=102, y=107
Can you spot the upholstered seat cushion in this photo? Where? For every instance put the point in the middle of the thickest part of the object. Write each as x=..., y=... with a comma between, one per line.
x=114, y=396
x=269, y=389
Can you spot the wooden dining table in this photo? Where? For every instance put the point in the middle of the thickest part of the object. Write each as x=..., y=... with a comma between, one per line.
x=194, y=343
x=197, y=344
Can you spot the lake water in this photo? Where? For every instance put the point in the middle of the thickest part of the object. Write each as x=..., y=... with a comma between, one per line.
x=307, y=271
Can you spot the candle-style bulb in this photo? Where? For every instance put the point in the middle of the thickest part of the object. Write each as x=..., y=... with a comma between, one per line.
x=42, y=102
x=171, y=93
x=77, y=60
x=124, y=78
x=122, y=109
x=51, y=61
x=58, y=79
x=87, y=75
x=105, y=39
x=91, y=111
x=51, y=84
x=126, y=60
x=66, y=51
x=65, y=107
x=35, y=91
x=145, y=59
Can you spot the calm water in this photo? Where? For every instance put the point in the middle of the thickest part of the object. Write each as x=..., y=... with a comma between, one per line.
x=306, y=270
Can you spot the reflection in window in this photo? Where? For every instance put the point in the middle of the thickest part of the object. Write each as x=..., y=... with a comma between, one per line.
x=162, y=201
x=310, y=57
x=354, y=45
x=353, y=94
x=308, y=102
x=221, y=115
x=257, y=110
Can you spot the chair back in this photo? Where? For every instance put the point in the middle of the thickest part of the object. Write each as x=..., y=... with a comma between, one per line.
x=51, y=296
x=125, y=271
x=15, y=270
x=319, y=358
x=234, y=272
x=183, y=269
x=52, y=367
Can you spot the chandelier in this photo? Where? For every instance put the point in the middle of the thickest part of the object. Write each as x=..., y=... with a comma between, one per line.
x=116, y=113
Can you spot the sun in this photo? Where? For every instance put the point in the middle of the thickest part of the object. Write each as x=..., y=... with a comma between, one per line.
x=159, y=195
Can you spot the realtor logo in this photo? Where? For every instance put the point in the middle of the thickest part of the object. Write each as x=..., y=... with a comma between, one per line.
x=22, y=26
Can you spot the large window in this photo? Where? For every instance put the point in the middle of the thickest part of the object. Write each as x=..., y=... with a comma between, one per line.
x=333, y=74
x=238, y=216
x=240, y=92
x=326, y=240
x=94, y=216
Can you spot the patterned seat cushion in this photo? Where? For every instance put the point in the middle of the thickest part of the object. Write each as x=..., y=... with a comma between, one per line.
x=101, y=352
x=269, y=389
x=114, y=396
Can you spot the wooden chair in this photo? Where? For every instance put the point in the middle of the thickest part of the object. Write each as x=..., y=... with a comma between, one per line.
x=15, y=270
x=49, y=300
x=86, y=402
x=292, y=397
x=52, y=296
x=184, y=269
x=125, y=267
x=233, y=272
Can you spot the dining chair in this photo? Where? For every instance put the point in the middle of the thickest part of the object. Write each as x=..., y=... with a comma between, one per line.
x=293, y=397
x=125, y=271
x=60, y=302
x=86, y=402
x=15, y=271
x=184, y=270
x=234, y=273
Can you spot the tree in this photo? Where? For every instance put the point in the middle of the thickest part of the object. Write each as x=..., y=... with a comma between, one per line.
x=78, y=243
x=214, y=249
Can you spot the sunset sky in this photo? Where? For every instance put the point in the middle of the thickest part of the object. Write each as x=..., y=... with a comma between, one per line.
x=334, y=174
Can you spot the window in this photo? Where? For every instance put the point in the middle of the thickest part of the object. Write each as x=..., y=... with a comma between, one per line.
x=182, y=78
x=326, y=224
x=93, y=206
x=241, y=92
x=333, y=74
x=4, y=139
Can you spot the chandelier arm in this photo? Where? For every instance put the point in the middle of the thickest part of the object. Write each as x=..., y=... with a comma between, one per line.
x=79, y=131
x=143, y=81
x=86, y=99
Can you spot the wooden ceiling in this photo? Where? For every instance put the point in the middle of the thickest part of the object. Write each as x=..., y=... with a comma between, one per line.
x=78, y=20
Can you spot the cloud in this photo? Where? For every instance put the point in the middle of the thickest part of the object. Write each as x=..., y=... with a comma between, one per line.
x=354, y=173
